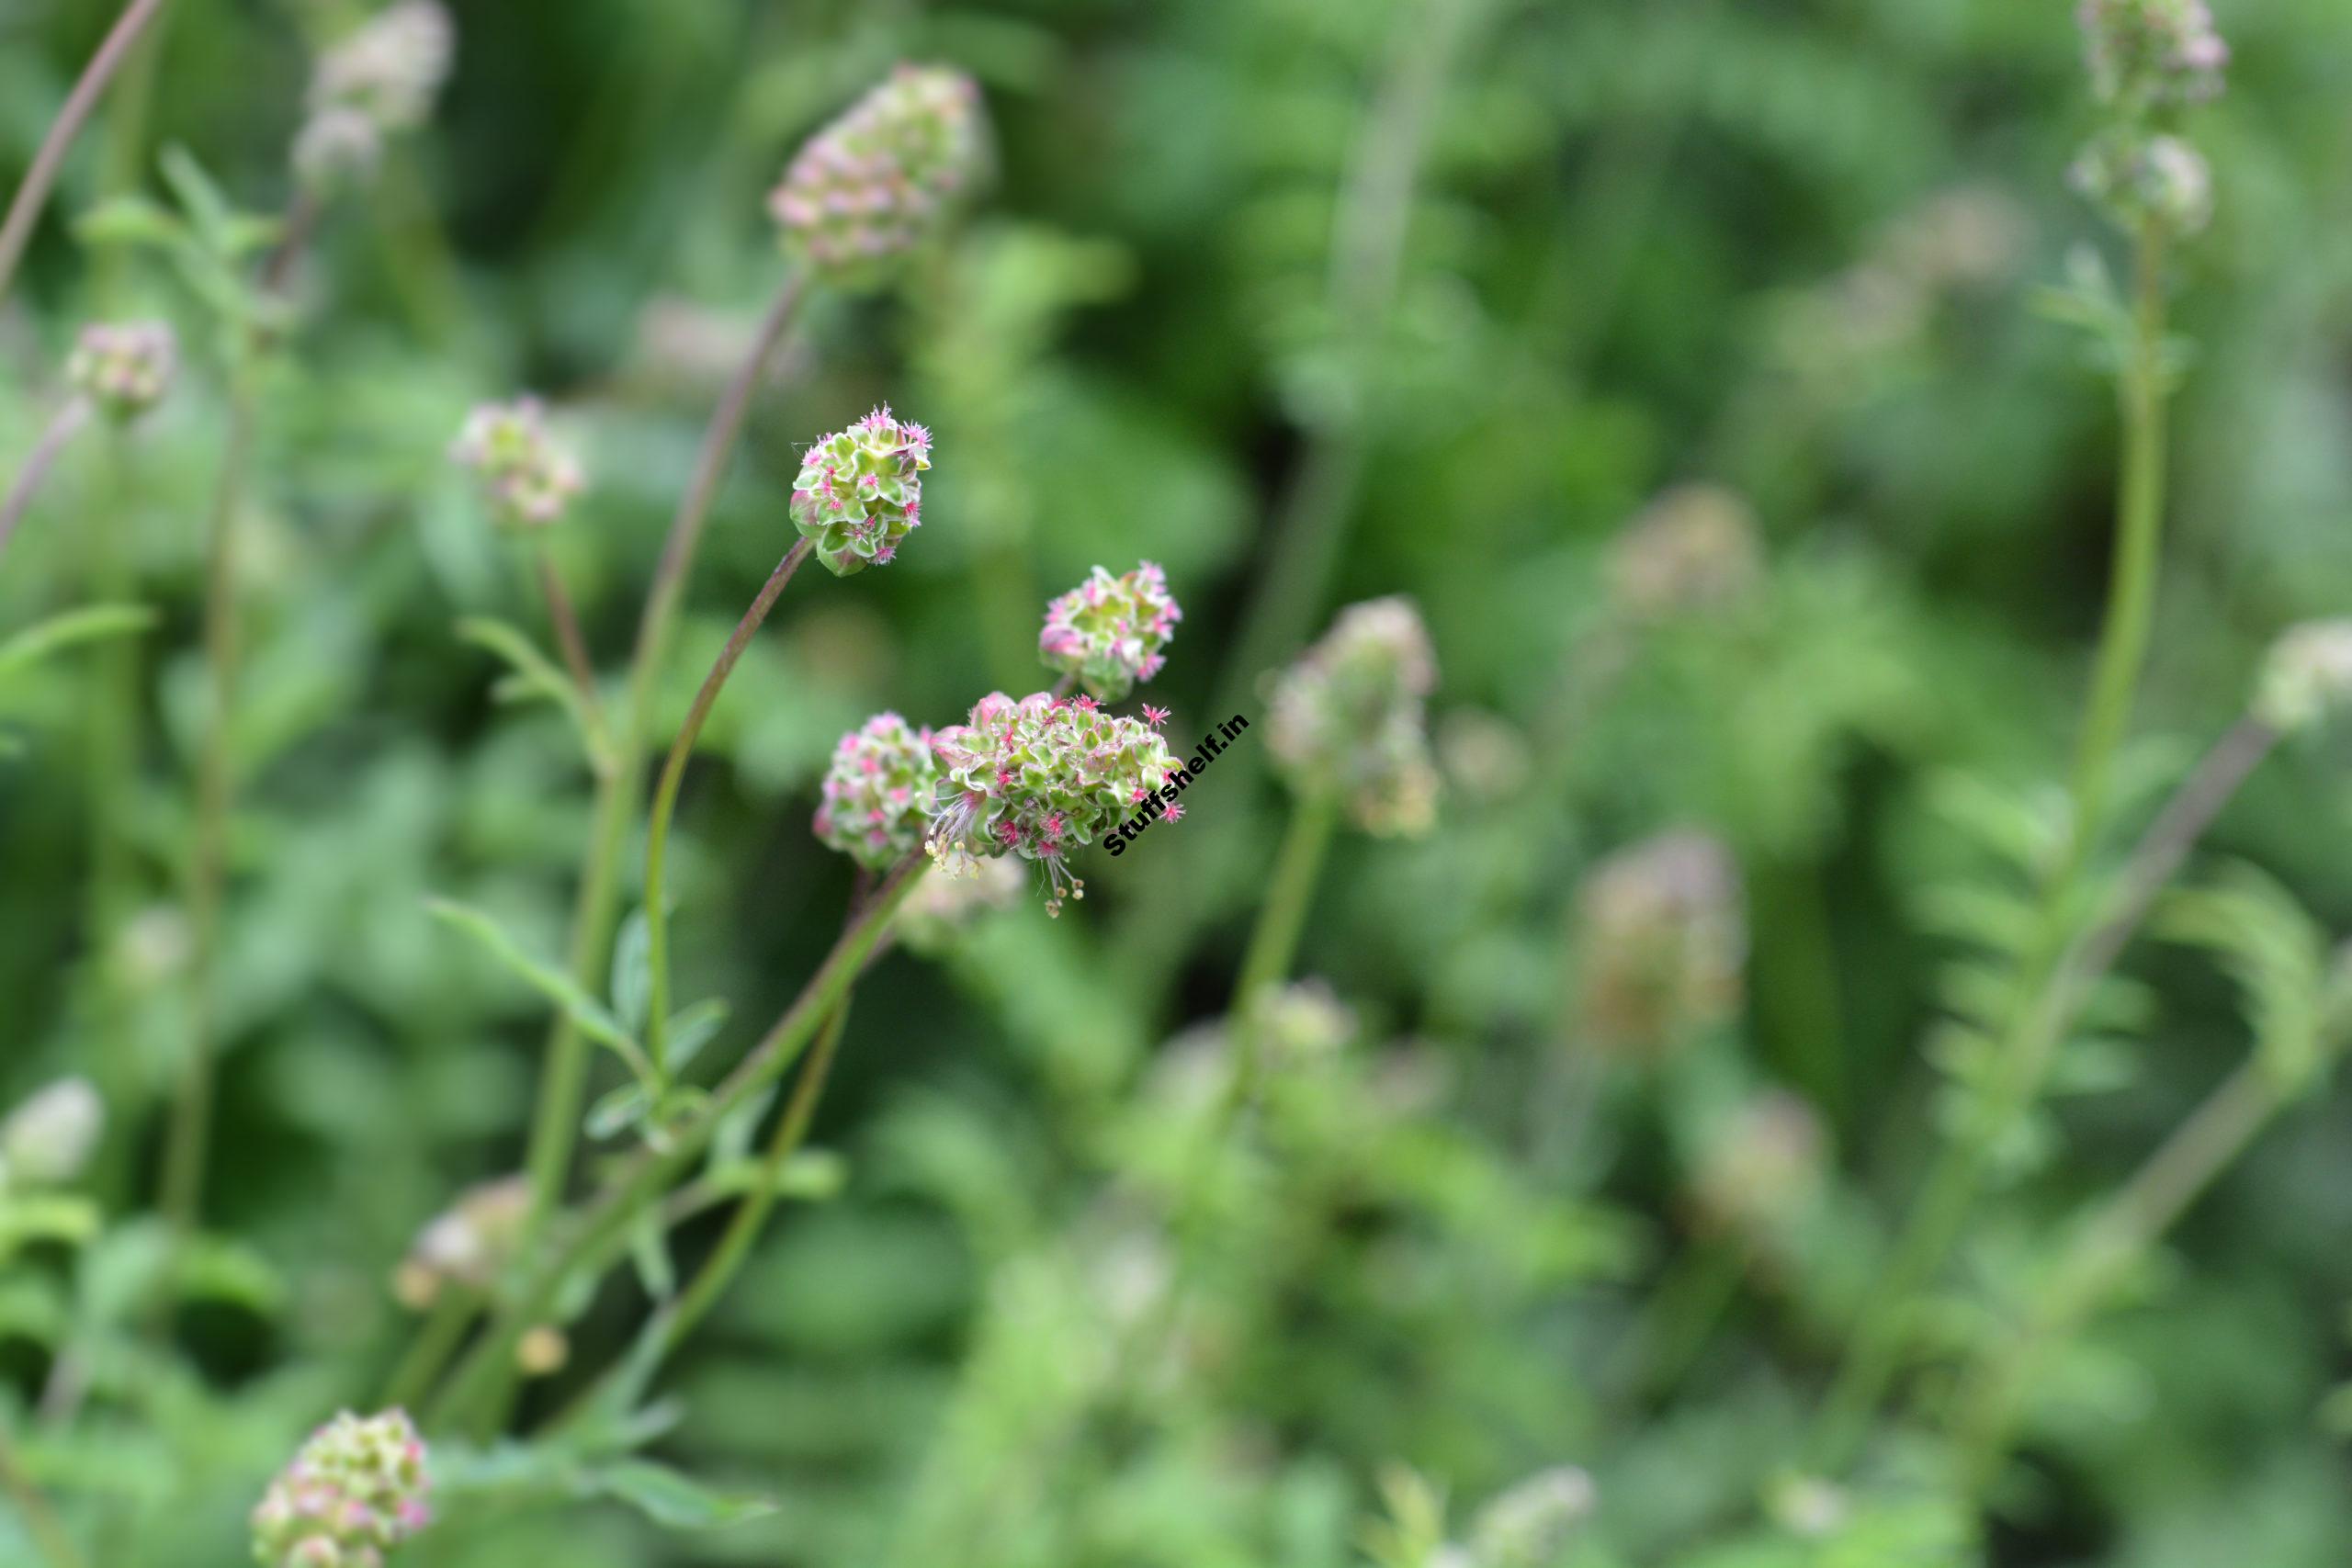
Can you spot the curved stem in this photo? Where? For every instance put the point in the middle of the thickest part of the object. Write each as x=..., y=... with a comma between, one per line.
x=25, y=208
x=752, y=1213
x=556, y=1123
x=645, y=1176
x=69, y=417
x=665, y=804
x=183, y=1152
x=2139, y=527
x=565, y=621
x=1876, y=1344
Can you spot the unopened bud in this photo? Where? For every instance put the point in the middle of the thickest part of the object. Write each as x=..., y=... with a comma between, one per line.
x=859, y=491
x=877, y=792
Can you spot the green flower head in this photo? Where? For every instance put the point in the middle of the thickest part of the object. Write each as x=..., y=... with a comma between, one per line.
x=859, y=492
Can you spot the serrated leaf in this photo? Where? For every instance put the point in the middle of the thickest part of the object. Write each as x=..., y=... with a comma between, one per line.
x=675, y=1501
x=89, y=624
x=585, y=1011
x=631, y=985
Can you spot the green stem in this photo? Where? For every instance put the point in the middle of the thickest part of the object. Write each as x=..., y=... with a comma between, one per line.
x=1275, y=939
x=126, y=152
x=2123, y=1230
x=2139, y=527
x=443, y=1327
x=751, y=1215
x=184, y=1153
x=111, y=761
x=650, y=1170
x=565, y=621
x=24, y=208
x=556, y=1123
x=665, y=804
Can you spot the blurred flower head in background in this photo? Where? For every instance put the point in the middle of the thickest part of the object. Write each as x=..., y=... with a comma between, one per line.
x=390, y=70
x=876, y=792
x=356, y=1489
x=2307, y=676
x=468, y=1244
x=1694, y=550
x=1349, y=719
x=124, y=367
x=47, y=1140
x=1529, y=1525
x=528, y=476
x=1110, y=632
x=859, y=491
x=2147, y=53
x=2142, y=181
x=1758, y=1166
x=1663, y=940
x=868, y=189
x=943, y=909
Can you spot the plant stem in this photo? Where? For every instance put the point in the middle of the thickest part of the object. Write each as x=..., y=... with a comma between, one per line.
x=556, y=1123
x=2023, y=1055
x=1275, y=939
x=743, y=1226
x=2139, y=528
x=183, y=1152
x=2123, y=1229
x=650, y=1171
x=445, y=1326
x=112, y=762
x=565, y=621
x=25, y=208
x=40, y=1519
x=665, y=804
x=69, y=417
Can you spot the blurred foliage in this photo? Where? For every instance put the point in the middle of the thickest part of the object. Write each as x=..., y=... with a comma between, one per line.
x=1467, y=283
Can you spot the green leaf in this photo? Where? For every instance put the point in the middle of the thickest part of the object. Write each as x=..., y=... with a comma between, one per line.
x=2278, y=956
x=674, y=1501
x=534, y=674
x=617, y=1111
x=693, y=1028
x=650, y=1251
x=89, y=624
x=632, y=979
x=813, y=1174
x=585, y=1011
x=131, y=220
x=30, y=1217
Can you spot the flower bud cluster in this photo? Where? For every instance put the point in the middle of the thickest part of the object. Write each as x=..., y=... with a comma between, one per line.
x=1036, y=778
x=877, y=792
x=859, y=492
x=1664, y=940
x=123, y=366
x=2147, y=53
x=356, y=1489
x=1348, y=719
x=1692, y=551
x=468, y=1244
x=869, y=188
x=47, y=1140
x=381, y=79
x=2307, y=676
x=1110, y=632
x=2148, y=59
x=1529, y=1525
x=2144, y=180
x=528, y=476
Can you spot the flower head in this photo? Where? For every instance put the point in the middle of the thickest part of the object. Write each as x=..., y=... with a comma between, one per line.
x=123, y=366
x=392, y=69
x=2148, y=53
x=859, y=492
x=1110, y=632
x=1528, y=1526
x=2144, y=179
x=47, y=1140
x=527, y=476
x=356, y=1489
x=1663, y=942
x=1692, y=551
x=877, y=792
x=1759, y=1166
x=1348, y=719
x=2307, y=676
x=869, y=188
x=338, y=144
x=941, y=909
x=1038, y=778
x=469, y=1243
